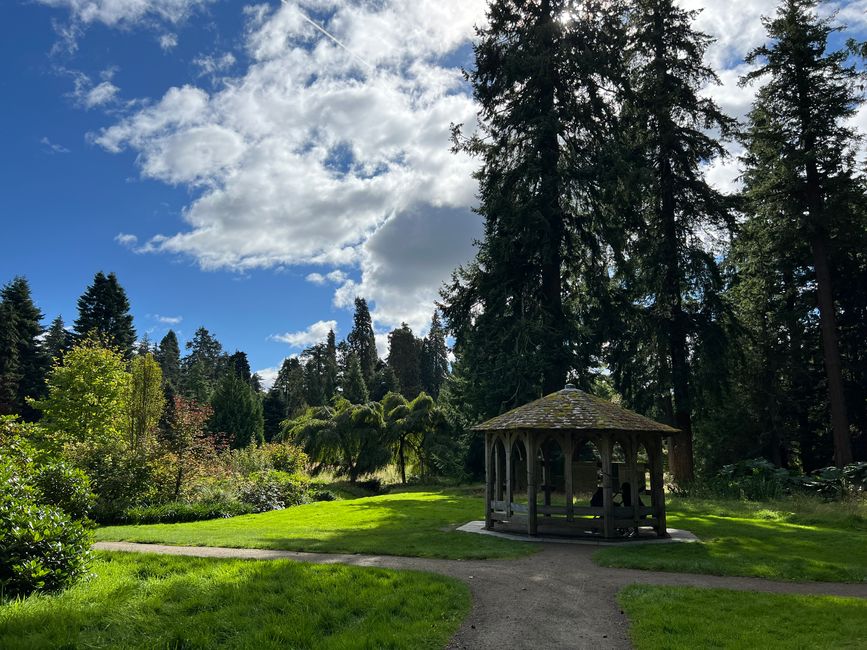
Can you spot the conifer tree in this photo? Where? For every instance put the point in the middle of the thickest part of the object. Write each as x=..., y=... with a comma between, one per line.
x=32, y=362
x=10, y=372
x=103, y=309
x=330, y=378
x=362, y=341
x=404, y=357
x=201, y=368
x=290, y=383
x=434, y=358
x=384, y=382
x=801, y=164
x=543, y=142
x=168, y=355
x=237, y=412
x=670, y=280
x=240, y=365
x=57, y=339
x=354, y=386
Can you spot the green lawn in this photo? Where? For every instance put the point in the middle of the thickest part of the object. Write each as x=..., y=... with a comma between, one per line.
x=408, y=523
x=788, y=540
x=672, y=618
x=150, y=601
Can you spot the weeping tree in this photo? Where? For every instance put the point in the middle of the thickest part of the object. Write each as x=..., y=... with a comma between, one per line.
x=543, y=77
x=669, y=285
x=348, y=438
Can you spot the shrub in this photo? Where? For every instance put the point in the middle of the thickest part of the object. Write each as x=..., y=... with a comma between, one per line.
x=61, y=485
x=179, y=511
x=42, y=548
x=275, y=490
x=287, y=458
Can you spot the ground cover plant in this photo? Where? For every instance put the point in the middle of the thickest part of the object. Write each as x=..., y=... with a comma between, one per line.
x=791, y=539
x=671, y=618
x=418, y=523
x=149, y=601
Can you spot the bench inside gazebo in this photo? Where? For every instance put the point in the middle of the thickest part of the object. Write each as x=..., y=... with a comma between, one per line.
x=575, y=464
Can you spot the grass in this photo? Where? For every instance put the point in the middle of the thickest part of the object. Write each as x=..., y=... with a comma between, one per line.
x=150, y=601
x=672, y=618
x=796, y=539
x=416, y=523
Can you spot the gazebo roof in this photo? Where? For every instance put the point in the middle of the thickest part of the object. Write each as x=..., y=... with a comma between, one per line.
x=575, y=410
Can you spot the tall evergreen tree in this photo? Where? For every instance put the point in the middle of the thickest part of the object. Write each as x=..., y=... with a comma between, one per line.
x=57, y=340
x=404, y=357
x=362, y=341
x=169, y=357
x=354, y=386
x=313, y=359
x=202, y=368
x=103, y=309
x=801, y=159
x=670, y=280
x=237, y=412
x=32, y=362
x=384, y=382
x=330, y=370
x=10, y=371
x=434, y=358
x=240, y=365
x=290, y=383
x=545, y=124
x=274, y=409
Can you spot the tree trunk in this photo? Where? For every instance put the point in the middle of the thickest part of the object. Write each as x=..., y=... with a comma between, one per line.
x=402, y=461
x=831, y=353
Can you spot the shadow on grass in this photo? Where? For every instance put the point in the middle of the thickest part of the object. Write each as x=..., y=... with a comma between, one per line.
x=158, y=601
x=742, y=546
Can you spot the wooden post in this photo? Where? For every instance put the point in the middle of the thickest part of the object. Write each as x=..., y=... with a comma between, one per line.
x=531, y=483
x=633, y=481
x=489, y=482
x=546, y=477
x=568, y=450
x=499, y=471
x=657, y=488
x=605, y=449
x=508, y=494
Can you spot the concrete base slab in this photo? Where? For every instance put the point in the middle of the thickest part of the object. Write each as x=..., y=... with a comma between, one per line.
x=675, y=536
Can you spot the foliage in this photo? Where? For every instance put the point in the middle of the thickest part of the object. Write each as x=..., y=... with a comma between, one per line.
x=44, y=547
x=681, y=618
x=150, y=601
x=274, y=490
x=362, y=341
x=237, y=412
x=103, y=313
x=420, y=432
x=168, y=355
x=434, y=366
x=88, y=396
x=404, y=357
x=180, y=511
x=349, y=438
x=187, y=440
x=145, y=402
x=354, y=386
x=414, y=523
x=23, y=359
x=201, y=368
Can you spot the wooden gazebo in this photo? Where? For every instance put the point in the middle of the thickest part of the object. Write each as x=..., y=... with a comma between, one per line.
x=590, y=456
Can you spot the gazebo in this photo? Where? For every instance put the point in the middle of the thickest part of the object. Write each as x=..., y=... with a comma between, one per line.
x=588, y=458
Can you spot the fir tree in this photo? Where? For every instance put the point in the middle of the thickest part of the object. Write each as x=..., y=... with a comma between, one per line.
x=434, y=358
x=801, y=162
x=384, y=382
x=10, y=372
x=404, y=357
x=57, y=340
x=354, y=386
x=103, y=309
x=290, y=383
x=544, y=145
x=670, y=280
x=362, y=341
x=240, y=365
x=169, y=357
x=32, y=361
x=202, y=367
x=274, y=408
x=330, y=371
x=237, y=412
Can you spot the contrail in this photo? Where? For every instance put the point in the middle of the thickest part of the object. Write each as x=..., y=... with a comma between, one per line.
x=328, y=34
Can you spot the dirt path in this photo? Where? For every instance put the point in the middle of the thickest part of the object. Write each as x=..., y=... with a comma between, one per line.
x=557, y=598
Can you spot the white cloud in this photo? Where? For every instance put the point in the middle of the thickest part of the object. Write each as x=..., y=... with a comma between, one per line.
x=126, y=239
x=114, y=13
x=168, y=320
x=210, y=65
x=336, y=276
x=52, y=147
x=88, y=94
x=268, y=376
x=168, y=41
x=316, y=333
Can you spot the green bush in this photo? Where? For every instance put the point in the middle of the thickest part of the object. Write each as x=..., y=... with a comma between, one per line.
x=287, y=458
x=179, y=511
x=275, y=490
x=61, y=485
x=42, y=548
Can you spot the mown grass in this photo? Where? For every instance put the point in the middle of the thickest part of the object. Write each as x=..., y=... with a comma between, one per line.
x=416, y=523
x=674, y=618
x=796, y=539
x=158, y=601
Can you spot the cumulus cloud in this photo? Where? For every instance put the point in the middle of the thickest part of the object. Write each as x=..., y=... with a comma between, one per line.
x=315, y=333
x=268, y=376
x=88, y=93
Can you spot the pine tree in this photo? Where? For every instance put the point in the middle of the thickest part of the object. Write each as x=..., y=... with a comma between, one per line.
x=354, y=386
x=168, y=355
x=404, y=357
x=544, y=144
x=434, y=358
x=103, y=309
x=313, y=359
x=10, y=372
x=240, y=365
x=801, y=159
x=362, y=341
x=32, y=362
x=330, y=371
x=670, y=280
x=202, y=367
x=57, y=340
x=237, y=412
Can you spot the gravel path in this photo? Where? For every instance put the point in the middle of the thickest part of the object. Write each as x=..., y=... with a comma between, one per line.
x=557, y=598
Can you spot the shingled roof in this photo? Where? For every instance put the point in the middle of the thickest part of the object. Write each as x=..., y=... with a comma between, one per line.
x=573, y=409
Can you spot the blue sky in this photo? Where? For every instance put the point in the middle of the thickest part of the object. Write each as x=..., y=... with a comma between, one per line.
x=238, y=168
